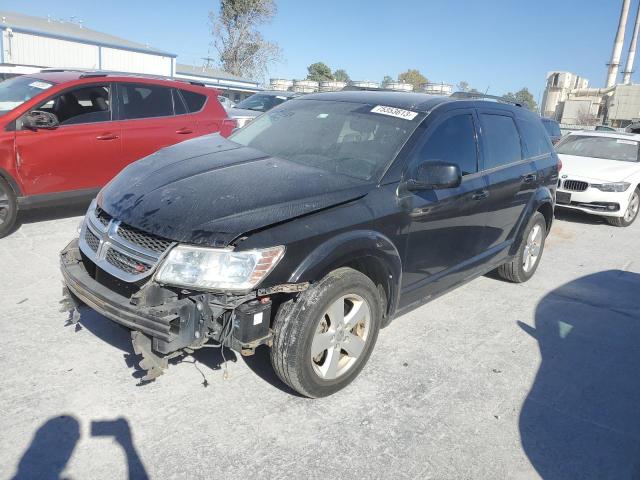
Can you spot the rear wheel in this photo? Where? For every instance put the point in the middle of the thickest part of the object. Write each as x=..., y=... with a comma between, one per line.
x=522, y=267
x=8, y=208
x=323, y=338
x=630, y=214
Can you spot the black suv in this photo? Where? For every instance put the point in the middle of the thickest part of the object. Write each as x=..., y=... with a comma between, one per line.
x=315, y=226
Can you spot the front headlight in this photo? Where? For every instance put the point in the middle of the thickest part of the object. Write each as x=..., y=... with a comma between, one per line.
x=612, y=187
x=217, y=269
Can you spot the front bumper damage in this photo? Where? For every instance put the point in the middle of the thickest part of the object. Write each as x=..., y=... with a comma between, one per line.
x=168, y=322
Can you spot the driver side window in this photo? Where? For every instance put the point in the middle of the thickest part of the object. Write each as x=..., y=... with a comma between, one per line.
x=86, y=104
x=453, y=141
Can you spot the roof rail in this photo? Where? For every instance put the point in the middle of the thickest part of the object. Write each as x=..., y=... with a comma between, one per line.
x=106, y=73
x=483, y=96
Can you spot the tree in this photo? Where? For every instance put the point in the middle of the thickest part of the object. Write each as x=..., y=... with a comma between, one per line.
x=319, y=72
x=523, y=97
x=463, y=86
x=414, y=77
x=341, y=75
x=243, y=50
x=386, y=80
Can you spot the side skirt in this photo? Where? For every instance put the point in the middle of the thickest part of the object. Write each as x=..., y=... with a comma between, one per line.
x=57, y=199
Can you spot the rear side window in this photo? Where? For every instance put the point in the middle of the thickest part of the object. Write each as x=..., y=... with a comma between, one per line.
x=194, y=101
x=145, y=101
x=178, y=105
x=553, y=129
x=535, y=137
x=501, y=140
x=453, y=141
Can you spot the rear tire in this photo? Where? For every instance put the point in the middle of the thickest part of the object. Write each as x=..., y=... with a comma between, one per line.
x=8, y=208
x=324, y=337
x=630, y=215
x=525, y=263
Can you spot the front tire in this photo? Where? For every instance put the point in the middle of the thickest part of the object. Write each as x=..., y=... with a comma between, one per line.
x=631, y=213
x=8, y=208
x=525, y=263
x=323, y=338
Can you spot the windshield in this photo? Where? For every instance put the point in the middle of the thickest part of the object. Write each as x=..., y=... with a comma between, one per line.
x=17, y=90
x=261, y=102
x=600, y=147
x=353, y=139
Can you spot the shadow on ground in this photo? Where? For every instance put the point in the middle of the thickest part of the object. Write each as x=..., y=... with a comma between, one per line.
x=576, y=216
x=581, y=418
x=53, y=444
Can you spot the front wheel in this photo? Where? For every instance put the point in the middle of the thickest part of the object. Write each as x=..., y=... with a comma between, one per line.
x=323, y=339
x=524, y=264
x=8, y=208
x=630, y=214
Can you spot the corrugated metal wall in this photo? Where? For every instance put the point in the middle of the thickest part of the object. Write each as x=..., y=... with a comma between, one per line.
x=125, y=61
x=26, y=49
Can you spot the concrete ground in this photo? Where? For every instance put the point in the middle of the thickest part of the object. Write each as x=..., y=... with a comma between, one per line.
x=491, y=381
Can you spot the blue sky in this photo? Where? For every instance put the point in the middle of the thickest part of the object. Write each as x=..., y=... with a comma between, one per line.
x=502, y=45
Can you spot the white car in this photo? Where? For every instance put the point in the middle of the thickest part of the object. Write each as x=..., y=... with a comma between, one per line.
x=600, y=175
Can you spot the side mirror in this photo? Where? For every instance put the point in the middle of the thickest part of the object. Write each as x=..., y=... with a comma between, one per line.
x=434, y=175
x=37, y=119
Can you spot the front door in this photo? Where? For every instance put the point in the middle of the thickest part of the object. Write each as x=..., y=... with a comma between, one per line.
x=445, y=227
x=82, y=153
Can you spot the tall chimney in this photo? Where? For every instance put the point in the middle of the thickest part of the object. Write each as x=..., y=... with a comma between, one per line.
x=617, y=45
x=628, y=69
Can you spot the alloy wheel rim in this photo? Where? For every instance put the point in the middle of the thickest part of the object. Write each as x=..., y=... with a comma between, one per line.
x=341, y=336
x=632, y=209
x=4, y=205
x=532, y=248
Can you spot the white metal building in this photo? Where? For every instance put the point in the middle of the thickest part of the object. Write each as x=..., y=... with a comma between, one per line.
x=28, y=44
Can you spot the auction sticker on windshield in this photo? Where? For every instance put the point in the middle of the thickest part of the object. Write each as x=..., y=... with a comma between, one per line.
x=394, y=112
x=40, y=85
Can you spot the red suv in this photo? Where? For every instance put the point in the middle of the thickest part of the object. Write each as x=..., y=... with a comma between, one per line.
x=65, y=134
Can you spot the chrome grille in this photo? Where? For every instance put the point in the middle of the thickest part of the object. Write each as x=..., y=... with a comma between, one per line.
x=143, y=239
x=92, y=240
x=122, y=251
x=575, y=185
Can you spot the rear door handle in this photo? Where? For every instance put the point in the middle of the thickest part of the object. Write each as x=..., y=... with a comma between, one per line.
x=107, y=136
x=480, y=194
x=529, y=178
x=184, y=131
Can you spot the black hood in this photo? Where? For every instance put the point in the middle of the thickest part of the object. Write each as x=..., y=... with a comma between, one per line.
x=210, y=190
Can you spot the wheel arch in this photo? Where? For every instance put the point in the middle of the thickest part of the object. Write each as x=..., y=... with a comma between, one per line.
x=542, y=201
x=366, y=251
x=11, y=181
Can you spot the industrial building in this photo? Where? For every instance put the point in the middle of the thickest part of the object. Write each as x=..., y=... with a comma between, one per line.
x=569, y=99
x=309, y=86
x=29, y=44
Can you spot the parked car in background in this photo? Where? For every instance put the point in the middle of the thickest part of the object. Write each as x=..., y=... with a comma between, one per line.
x=361, y=206
x=257, y=104
x=225, y=102
x=65, y=134
x=604, y=128
x=553, y=129
x=600, y=175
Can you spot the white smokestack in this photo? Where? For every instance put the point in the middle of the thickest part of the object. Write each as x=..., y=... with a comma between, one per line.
x=628, y=69
x=617, y=45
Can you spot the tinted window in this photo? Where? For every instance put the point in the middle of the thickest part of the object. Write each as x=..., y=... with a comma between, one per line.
x=535, y=137
x=553, y=129
x=144, y=101
x=501, y=140
x=194, y=101
x=261, y=102
x=452, y=141
x=178, y=105
x=80, y=105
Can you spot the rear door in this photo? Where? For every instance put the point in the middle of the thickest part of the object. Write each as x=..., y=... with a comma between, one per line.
x=445, y=227
x=511, y=176
x=82, y=153
x=153, y=116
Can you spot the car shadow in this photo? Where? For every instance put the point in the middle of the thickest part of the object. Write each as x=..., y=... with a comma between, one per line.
x=75, y=209
x=581, y=418
x=119, y=337
x=576, y=216
x=260, y=364
x=53, y=444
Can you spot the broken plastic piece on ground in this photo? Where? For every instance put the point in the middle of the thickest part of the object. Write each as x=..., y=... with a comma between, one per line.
x=153, y=364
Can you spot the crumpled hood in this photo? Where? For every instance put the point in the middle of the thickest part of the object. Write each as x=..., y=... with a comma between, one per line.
x=597, y=169
x=210, y=190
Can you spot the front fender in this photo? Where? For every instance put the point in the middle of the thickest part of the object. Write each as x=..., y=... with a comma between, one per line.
x=367, y=246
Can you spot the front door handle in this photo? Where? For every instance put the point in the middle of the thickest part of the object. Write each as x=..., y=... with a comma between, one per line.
x=480, y=194
x=107, y=136
x=529, y=178
x=184, y=131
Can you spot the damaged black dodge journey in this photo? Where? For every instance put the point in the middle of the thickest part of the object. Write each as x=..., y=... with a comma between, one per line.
x=314, y=226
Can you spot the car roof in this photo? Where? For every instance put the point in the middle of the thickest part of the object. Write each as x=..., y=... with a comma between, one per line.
x=602, y=133
x=61, y=76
